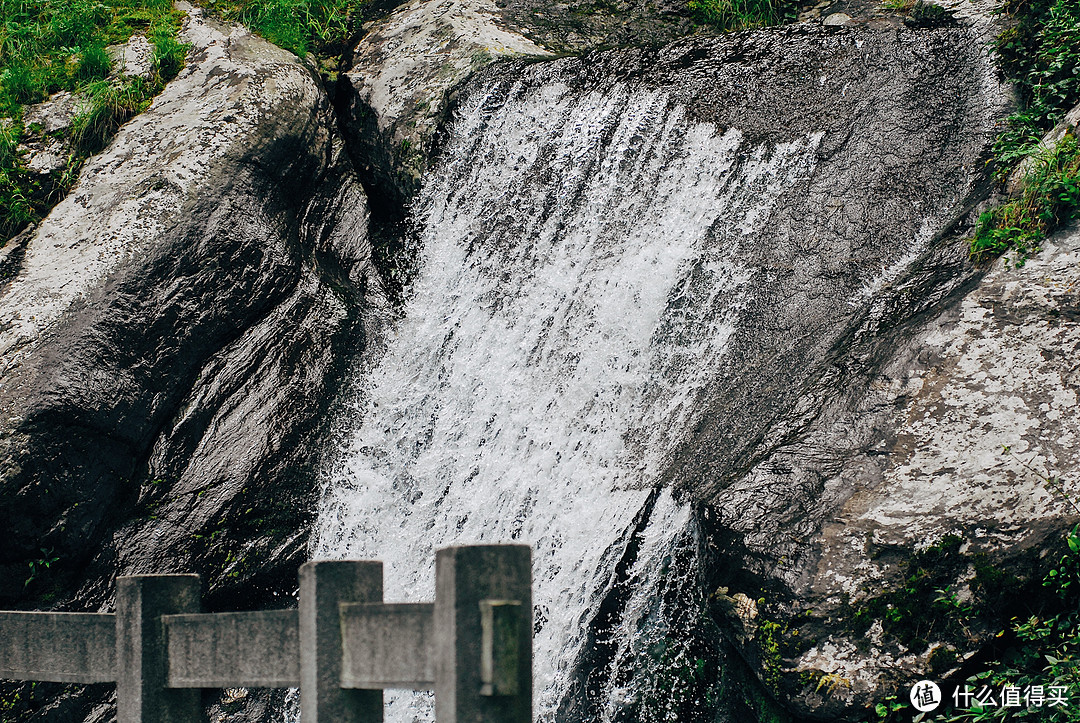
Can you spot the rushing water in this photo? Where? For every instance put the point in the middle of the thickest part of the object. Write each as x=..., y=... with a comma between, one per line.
x=577, y=287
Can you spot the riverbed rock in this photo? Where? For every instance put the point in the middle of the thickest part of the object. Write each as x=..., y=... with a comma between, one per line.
x=171, y=336
x=54, y=115
x=135, y=58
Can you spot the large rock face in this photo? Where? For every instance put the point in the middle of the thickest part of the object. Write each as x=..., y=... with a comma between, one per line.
x=172, y=333
x=396, y=92
x=976, y=439
x=949, y=445
x=818, y=373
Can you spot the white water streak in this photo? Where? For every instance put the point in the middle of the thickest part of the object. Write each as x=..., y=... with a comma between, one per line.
x=578, y=287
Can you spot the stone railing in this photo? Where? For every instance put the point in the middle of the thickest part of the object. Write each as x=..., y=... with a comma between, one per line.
x=472, y=646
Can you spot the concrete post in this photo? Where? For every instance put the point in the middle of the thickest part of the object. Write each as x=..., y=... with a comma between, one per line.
x=474, y=584
x=323, y=586
x=141, y=654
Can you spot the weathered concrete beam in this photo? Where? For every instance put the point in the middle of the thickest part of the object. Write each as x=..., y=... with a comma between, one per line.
x=58, y=647
x=324, y=585
x=465, y=577
x=252, y=649
x=388, y=645
x=142, y=694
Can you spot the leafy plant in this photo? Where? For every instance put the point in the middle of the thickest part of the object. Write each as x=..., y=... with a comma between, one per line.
x=1051, y=197
x=928, y=15
x=39, y=565
x=1040, y=52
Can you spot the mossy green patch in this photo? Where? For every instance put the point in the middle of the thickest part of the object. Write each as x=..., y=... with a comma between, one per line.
x=52, y=45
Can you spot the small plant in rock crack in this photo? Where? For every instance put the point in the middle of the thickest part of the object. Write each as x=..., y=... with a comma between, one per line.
x=1051, y=197
x=41, y=564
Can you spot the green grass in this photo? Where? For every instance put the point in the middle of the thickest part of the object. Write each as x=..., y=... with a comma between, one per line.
x=1040, y=52
x=52, y=45
x=322, y=27
x=1050, y=198
x=730, y=15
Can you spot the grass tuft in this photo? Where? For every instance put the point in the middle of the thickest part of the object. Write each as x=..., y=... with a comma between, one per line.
x=109, y=104
x=322, y=27
x=52, y=45
x=169, y=54
x=731, y=15
x=94, y=64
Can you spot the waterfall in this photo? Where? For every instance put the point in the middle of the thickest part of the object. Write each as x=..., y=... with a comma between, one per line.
x=578, y=285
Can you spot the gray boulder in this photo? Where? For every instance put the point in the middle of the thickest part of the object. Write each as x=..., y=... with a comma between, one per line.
x=171, y=336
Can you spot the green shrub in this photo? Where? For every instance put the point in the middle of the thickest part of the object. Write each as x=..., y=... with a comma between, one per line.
x=300, y=26
x=928, y=15
x=1051, y=197
x=1040, y=53
x=1040, y=647
x=728, y=15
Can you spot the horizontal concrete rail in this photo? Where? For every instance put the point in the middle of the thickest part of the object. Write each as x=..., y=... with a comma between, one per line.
x=58, y=647
x=224, y=650
x=388, y=645
x=341, y=647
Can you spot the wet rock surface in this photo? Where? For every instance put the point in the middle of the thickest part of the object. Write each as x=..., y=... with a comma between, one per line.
x=172, y=334
x=861, y=167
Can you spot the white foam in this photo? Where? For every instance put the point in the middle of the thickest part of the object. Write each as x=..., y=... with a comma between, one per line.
x=579, y=285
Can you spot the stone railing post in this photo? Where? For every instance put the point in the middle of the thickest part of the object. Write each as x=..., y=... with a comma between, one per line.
x=141, y=654
x=324, y=585
x=483, y=634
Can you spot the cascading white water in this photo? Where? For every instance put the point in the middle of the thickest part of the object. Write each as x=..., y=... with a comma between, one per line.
x=577, y=288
